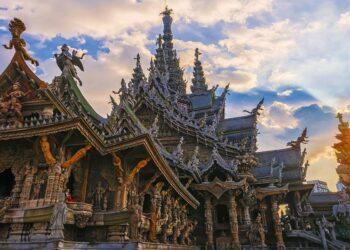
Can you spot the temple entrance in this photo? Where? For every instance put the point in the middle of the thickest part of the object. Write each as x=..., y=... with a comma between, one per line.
x=146, y=208
x=222, y=215
x=7, y=181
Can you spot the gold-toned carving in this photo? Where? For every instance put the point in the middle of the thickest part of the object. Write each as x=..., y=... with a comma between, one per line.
x=77, y=156
x=51, y=161
x=45, y=147
x=11, y=106
x=117, y=162
x=17, y=27
x=136, y=169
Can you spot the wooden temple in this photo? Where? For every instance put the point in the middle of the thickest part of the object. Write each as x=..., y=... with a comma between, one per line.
x=164, y=170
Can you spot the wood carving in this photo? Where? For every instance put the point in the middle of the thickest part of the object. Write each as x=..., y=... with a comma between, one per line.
x=117, y=162
x=77, y=156
x=139, y=166
x=17, y=27
x=51, y=161
x=45, y=147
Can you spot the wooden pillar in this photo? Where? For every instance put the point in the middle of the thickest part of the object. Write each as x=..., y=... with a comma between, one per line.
x=27, y=187
x=86, y=169
x=262, y=208
x=246, y=220
x=16, y=191
x=234, y=222
x=154, y=219
x=277, y=223
x=209, y=222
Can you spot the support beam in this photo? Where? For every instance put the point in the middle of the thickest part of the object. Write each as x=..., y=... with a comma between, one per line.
x=209, y=222
x=277, y=223
x=234, y=222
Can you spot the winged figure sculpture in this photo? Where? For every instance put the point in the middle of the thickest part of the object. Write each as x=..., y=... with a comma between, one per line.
x=67, y=61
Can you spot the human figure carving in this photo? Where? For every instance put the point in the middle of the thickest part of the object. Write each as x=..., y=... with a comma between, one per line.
x=256, y=233
x=135, y=210
x=117, y=162
x=66, y=62
x=11, y=106
x=17, y=27
x=99, y=196
x=58, y=218
x=50, y=159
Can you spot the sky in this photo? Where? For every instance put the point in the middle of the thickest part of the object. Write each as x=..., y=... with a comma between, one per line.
x=295, y=54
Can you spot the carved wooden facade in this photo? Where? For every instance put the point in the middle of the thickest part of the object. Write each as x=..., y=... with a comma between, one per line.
x=164, y=168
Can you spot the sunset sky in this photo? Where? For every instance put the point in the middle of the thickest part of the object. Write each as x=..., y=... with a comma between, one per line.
x=295, y=54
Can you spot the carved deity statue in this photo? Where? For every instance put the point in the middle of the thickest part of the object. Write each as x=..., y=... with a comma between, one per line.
x=256, y=233
x=11, y=106
x=17, y=27
x=135, y=219
x=66, y=62
x=99, y=196
x=58, y=218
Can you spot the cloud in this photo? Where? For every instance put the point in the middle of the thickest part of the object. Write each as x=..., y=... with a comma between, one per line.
x=279, y=116
x=285, y=93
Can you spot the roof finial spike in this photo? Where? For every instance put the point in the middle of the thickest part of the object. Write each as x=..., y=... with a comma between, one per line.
x=17, y=27
x=197, y=54
x=198, y=80
x=138, y=59
x=302, y=139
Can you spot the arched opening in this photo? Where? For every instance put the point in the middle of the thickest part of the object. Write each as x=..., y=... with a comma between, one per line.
x=7, y=181
x=222, y=215
x=146, y=208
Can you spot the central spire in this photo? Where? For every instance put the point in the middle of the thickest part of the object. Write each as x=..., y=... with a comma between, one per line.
x=167, y=20
x=166, y=60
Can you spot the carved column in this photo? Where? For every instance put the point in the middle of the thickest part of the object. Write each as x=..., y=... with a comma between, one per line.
x=27, y=187
x=209, y=222
x=277, y=223
x=234, y=222
x=16, y=191
x=50, y=186
x=262, y=208
x=154, y=219
x=246, y=220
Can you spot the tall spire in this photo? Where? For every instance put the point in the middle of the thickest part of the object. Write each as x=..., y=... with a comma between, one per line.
x=198, y=80
x=137, y=75
x=166, y=61
x=167, y=34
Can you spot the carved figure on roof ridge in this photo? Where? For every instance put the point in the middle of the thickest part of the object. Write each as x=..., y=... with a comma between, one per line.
x=67, y=61
x=17, y=27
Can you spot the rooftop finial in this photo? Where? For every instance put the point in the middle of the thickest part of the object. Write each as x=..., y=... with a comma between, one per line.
x=198, y=80
x=167, y=20
x=17, y=27
x=167, y=12
x=196, y=54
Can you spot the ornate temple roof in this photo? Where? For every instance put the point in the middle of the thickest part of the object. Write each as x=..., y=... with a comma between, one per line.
x=199, y=115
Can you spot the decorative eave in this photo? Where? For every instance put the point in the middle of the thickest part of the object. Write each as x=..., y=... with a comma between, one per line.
x=105, y=147
x=192, y=131
x=218, y=187
x=262, y=192
x=215, y=157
